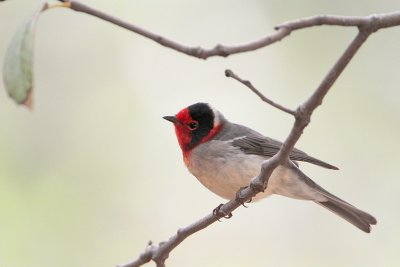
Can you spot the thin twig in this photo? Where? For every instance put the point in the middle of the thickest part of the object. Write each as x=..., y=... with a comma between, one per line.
x=231, y=74
x=383, y=20
x=259, y=183
x=144, y=257
x=366, y=25
x=304, y=111
x=378, y=21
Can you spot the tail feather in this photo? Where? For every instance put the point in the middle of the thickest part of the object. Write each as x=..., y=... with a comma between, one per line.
x=321, y=163
x=357, y=217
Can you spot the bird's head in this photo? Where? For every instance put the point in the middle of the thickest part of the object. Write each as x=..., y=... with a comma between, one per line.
x=196, y=124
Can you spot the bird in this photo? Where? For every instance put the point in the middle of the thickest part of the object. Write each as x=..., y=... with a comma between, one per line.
x=225, y=156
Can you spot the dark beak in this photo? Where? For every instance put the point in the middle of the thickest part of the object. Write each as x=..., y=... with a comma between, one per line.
x=171, y=119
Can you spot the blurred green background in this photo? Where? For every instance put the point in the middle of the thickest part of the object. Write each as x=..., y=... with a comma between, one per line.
x=94, y=173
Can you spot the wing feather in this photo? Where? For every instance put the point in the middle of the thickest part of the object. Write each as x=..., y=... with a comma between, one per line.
x=268, y=147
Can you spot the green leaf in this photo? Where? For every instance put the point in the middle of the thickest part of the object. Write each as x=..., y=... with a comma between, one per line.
x=18, y=63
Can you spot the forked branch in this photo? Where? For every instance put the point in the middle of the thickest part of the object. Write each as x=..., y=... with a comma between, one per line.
x=366, y=26
x=372, y=22
x=302, y=118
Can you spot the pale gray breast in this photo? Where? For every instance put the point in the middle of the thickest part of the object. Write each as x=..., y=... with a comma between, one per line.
x=223, y=168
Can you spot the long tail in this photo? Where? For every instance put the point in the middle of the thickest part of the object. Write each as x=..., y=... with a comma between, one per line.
x=357, y=217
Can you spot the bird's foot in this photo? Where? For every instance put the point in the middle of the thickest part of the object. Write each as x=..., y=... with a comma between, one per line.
x=241, y=199
x=218, y=213
x=257, y=187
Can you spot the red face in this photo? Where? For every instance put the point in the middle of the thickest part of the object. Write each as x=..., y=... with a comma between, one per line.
x=184, y=127
x=194, y=125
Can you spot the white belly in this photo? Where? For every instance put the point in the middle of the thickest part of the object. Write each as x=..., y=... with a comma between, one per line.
x=225, y=173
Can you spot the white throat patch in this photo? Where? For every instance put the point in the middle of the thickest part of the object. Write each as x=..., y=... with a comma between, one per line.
x=217, y=116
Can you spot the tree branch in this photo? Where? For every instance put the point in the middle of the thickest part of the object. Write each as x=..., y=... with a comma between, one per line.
x=376, y=22
x=259, y=183
x=229, y=73
x=366, y=25
x=304, y=111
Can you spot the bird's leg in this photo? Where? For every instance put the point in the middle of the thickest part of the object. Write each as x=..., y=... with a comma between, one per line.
x=239, y=197
x=217, y=212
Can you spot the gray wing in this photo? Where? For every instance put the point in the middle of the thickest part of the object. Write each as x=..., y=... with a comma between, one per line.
x=251, y=142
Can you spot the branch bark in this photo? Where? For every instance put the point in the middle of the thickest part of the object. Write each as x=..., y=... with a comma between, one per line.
x=366, y=26
x=302, y=115
x=373, y=22
x=229, y=73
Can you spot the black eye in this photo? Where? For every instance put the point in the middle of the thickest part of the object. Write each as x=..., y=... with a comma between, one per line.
x=193, y=125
